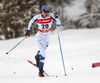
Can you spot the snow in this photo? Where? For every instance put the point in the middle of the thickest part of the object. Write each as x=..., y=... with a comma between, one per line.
x=80, y=48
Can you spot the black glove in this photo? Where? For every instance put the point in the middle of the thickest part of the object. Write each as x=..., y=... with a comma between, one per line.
x=27, y=33
x=55, y=14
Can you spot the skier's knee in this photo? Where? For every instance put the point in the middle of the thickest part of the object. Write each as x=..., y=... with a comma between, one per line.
x=41, y=58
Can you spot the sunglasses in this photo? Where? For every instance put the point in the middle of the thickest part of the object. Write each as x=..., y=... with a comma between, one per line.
x=46, y=11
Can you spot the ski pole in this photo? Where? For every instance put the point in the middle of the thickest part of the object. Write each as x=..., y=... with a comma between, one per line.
x=16, y=45
x=61, y=50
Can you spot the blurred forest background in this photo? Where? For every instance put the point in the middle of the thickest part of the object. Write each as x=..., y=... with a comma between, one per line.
x=15, y=15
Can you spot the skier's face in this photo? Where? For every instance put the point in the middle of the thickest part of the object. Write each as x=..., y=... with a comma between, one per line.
x=45, y=12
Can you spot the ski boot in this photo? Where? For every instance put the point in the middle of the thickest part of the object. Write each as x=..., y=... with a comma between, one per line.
x=41, y=73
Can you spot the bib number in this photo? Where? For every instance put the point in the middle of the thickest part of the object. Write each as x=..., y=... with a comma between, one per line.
x=45, y=26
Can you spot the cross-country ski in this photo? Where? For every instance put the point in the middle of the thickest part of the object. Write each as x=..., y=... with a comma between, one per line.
x=38, y=67
x=46, y=75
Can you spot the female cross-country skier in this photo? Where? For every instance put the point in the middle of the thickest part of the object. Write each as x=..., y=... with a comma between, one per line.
x=44, y=21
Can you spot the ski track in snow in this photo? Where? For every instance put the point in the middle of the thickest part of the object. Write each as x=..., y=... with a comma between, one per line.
x=80, y=48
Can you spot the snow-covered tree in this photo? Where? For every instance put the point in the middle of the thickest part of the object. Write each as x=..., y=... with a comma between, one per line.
x=92, y=6
x=93, y=9
x=91, y=18
x=16, y=14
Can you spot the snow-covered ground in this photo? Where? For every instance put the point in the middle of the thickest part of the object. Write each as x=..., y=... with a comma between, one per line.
x=80, y=48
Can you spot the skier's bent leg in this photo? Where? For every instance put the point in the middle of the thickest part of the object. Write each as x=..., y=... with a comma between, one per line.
x=41, y=59
x=41, y=64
